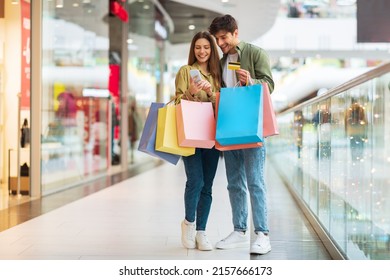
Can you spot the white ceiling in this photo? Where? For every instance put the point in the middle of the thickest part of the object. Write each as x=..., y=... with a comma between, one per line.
x=254, y=17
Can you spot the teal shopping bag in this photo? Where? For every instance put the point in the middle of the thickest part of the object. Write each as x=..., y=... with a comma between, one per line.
x=240, y=115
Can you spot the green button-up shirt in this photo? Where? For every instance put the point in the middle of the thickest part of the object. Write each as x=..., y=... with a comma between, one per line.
x=182, y=83
x=256, y=61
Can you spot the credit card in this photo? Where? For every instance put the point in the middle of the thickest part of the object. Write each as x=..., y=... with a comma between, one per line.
x=234, y=65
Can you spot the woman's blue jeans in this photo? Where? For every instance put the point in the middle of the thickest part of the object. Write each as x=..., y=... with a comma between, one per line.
x=245, y=171
x=200, y=170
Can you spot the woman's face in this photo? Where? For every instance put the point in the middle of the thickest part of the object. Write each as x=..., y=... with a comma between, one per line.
x=202, y=50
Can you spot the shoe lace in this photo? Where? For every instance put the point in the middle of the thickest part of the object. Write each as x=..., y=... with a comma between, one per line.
x=203, y=238
x=190, y=232
x=230, y=236
x=262, y=241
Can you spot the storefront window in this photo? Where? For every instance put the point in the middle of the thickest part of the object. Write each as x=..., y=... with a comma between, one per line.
x=75, y=100
x=15, y=30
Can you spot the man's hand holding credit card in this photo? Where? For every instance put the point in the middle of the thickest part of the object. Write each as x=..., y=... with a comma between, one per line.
x=234, y=65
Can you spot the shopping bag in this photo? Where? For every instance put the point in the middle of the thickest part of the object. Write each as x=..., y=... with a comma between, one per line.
x=231, y=147
x=166, y=135
x=270, y=126
x=195, y=124
x=240, y=115
x=147, y=141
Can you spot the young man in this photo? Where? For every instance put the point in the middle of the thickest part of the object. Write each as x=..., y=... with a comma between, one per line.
x=245, y=167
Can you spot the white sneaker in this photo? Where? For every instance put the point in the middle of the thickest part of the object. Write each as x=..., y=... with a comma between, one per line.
x=261, y=245
x=188, y=234
x=234, y=240
x=202, y=242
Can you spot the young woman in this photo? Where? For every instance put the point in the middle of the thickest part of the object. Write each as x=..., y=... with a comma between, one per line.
x=200, y=168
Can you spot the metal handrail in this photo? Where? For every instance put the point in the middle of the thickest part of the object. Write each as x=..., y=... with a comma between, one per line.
x=382, y=69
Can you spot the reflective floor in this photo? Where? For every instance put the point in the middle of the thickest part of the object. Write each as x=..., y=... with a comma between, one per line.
x=137, y=215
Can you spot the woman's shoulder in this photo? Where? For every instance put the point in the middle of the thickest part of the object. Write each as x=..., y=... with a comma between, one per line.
x=183, y=71
x=185, y=68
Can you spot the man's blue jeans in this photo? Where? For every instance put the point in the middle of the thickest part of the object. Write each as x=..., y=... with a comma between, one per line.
x=245, y=171
x=200, y=170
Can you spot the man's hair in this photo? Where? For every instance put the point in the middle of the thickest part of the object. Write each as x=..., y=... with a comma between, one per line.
x=225, y=23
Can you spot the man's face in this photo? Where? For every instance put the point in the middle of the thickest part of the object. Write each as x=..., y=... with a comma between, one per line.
x=227, y=41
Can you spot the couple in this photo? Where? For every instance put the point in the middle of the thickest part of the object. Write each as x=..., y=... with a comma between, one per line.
x=244, y=168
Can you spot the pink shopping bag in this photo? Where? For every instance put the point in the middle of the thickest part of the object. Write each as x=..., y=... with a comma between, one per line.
x=195, y=124
x=270, y=126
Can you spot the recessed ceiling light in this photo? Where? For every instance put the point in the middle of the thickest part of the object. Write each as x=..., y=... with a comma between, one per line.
x=59, y=3
x=191, y=27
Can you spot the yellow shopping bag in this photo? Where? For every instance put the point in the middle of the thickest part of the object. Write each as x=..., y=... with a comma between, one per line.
x=166, y=135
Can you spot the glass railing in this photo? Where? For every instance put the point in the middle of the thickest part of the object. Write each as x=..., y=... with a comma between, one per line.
x=334, y=153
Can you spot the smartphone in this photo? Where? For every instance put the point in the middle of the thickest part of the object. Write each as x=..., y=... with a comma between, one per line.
x=195, y=75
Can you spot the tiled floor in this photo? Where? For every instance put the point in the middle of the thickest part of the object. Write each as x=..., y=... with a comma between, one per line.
x=139, y=218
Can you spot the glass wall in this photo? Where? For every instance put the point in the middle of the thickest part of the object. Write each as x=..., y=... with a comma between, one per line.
x=75, y=100
x=143, y=67
x=338, y=162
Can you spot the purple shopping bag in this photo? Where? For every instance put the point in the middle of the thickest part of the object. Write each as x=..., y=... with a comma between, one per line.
x=147, y=141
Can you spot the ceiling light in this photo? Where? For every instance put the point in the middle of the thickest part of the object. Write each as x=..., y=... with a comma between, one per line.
x=14, y=2
x=191, y=27
x=75, y=5
x=224, y=1
x=59, y=3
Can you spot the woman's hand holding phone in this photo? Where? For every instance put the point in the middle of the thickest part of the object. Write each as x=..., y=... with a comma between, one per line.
x=197, y=83
x=206, y=86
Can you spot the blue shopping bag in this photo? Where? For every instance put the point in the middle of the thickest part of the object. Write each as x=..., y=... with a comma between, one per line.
x=147, y=141
x=240, y=115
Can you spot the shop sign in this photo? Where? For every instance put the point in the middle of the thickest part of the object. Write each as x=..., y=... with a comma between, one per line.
x=26, y=55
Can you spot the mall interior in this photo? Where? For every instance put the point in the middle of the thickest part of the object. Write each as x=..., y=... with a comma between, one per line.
x=77, y=79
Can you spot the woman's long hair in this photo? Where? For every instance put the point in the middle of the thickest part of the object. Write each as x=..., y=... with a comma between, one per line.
x=213, y=63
